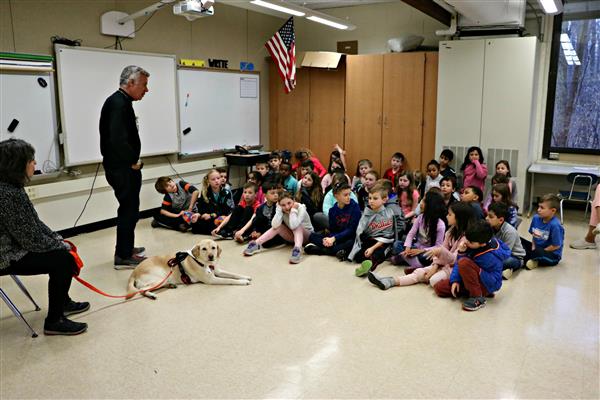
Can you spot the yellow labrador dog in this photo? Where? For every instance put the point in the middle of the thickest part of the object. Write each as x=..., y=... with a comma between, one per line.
x=200, y=265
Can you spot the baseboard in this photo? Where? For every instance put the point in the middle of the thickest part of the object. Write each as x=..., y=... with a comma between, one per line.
x=107, y=223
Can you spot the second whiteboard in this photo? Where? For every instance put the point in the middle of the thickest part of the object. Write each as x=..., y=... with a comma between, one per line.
x=218, y=110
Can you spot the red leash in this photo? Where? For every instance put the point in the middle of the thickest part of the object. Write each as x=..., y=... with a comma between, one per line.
x=128, y=296
x=79, y=263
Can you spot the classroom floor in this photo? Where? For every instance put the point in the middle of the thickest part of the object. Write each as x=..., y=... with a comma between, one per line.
x=311, y=330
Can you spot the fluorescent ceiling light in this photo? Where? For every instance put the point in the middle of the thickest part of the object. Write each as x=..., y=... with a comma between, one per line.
x=551, y=6
x=327, y=22
x=278, y=7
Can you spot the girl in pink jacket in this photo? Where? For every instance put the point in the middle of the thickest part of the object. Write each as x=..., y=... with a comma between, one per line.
x=459, y=216
x=473, y=168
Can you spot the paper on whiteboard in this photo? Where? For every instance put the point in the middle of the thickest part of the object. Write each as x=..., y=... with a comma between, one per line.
x=248, y=88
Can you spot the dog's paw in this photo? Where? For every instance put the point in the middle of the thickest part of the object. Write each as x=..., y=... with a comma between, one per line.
x=247, y=278
x=245, y=282
x=150, y=295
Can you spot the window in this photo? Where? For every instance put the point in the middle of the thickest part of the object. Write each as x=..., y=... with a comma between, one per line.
x=573, y=107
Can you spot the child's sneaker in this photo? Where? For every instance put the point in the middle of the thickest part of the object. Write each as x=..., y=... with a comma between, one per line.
x=364, y=268
x=252, y=248
x=507, y=273
x=582, y=244
x=295, y=258
x=531, y=264
x=474, y=303
x=312, y=249
x=342, y=255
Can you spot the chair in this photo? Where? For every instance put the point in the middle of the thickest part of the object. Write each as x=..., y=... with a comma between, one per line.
x=14, y=308
x=578, y=178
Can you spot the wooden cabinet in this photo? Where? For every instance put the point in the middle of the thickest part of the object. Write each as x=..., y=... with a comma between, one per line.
x=429, y=109
x=393, y=97
x=289, y=115
x=403, y=84
x=326, y=111
x=373, y=107
x=364, y=87
x=312, y=115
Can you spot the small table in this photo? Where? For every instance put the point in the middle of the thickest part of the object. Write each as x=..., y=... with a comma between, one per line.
x=246, y=160
x=555, y=168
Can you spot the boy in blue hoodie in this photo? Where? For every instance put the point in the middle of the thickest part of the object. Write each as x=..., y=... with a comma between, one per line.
x=343, y=221
x=478, y=268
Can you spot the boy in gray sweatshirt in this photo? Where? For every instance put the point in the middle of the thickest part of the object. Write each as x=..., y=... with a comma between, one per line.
x=497, y=214
x=375, y=232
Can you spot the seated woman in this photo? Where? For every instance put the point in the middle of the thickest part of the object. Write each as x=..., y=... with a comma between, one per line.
x=28, y=246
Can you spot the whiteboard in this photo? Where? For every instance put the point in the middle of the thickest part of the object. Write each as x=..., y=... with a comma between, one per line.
x=88, y=76
x=24, y=99
x=221, y=110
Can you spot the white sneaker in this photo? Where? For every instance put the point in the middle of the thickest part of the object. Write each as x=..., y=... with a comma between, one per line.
x=582, y=244
x=531, y=264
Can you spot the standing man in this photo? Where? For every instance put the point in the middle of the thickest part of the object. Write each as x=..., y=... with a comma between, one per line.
x=120, y=147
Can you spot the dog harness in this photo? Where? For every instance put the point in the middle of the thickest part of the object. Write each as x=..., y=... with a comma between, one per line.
x=178, y=259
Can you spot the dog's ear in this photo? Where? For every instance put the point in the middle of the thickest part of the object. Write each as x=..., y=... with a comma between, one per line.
x=196, y=251
x=219, y=250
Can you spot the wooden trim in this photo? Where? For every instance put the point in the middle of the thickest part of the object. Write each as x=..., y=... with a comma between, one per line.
x=429, y=108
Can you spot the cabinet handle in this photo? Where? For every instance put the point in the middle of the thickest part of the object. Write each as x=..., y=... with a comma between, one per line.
x=379, y=120
x=385, y=121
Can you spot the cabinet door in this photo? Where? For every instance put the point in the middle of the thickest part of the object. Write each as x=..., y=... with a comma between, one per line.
x=327, y=89
x=403, y=84
x=508, y=96
x=364, y=88
x=460, y=88
x=289, y=113
x=429, y=109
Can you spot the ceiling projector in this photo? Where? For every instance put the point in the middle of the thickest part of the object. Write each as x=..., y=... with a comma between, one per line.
x=193, y=9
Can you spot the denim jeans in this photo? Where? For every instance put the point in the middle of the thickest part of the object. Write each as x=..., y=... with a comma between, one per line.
x=513, y=263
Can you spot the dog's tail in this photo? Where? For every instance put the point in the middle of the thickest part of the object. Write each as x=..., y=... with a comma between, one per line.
x=131, y=288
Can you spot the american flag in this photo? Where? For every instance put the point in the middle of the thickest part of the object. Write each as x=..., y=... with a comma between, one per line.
x=282, y=47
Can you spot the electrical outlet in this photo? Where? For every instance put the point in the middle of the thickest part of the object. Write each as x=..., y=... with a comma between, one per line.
x=31, y=192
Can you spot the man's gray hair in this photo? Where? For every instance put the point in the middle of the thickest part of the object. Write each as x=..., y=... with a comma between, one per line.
x=131, y=72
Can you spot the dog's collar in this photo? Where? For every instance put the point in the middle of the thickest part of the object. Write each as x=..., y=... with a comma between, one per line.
x=211, y=267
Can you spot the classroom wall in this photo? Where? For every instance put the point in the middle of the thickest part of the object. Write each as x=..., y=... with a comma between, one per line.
x=232, y=33
x=376, y=23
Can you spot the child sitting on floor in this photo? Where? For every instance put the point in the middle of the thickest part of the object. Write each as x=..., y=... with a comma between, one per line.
x=443, y=257
x=178, y=209
x=371, y=179
x=291, y=222
x=214, y=203
x=504, y=231
x=501, y=194
x=426, y=233
x=473, y=196
x=262, y=218
x=546, y=247
x=478, y=268
x=362, y=168
x=241, y=214
x=343, y=221
x=448, y=190
x=375, y=232
x=290, y=184
x=433, y=175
